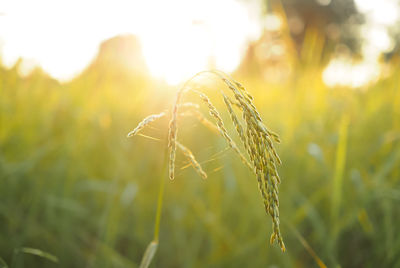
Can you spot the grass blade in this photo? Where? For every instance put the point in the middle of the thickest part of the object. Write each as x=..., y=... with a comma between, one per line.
x=36, y=252
x=339, y=168
x=3, y=264
x=148, y=254
x=307, y=246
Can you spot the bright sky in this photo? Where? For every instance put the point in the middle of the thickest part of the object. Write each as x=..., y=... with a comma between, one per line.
x=177, y=36
x=379, y=16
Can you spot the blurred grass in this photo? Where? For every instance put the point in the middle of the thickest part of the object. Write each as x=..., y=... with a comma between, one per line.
x=74, y=186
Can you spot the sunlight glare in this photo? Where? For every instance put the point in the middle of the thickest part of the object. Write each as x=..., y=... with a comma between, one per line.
x=383, y=12
x=344, y=72
x=178, y=37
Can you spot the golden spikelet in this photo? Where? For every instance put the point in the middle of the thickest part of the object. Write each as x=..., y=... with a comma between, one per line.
x=192, y=160
x=194, y=111
x=172, y=136
x=220, y=124
x=235, y=120
x=205, y=122
x=144, y=123
x=262, y=153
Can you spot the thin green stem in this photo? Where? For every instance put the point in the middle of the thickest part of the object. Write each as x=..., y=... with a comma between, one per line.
x=160, y=198
x=152, y=247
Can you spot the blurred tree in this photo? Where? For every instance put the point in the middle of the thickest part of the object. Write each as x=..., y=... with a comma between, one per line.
x=119, y=62
x=394, y=32
x=301, y=33
x=336, y=20
x=122, y=53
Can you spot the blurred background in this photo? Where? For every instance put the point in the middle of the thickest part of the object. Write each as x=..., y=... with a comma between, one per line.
x=77, y=76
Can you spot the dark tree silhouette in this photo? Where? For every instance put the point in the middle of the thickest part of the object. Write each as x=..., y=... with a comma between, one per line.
x=336, y=20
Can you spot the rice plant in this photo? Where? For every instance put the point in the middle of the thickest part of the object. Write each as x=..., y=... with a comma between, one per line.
x=256, y=138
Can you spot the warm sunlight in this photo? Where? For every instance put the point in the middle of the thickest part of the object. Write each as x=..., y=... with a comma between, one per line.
x=199, y=133
x=192, y=35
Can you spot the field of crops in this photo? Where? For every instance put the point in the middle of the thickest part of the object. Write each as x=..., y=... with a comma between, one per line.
x=74, y=186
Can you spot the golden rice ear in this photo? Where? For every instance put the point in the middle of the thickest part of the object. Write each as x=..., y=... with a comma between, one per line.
x=144, y=123
x=272, y=239
x=196, y=165
x=193, y=110
x=205, y=122
x=235, y=120
x=258, y=142
x=221, y=127
x=173, y=134
x=256, y=138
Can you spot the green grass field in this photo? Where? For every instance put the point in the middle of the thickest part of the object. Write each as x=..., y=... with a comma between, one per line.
x=73, y=186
